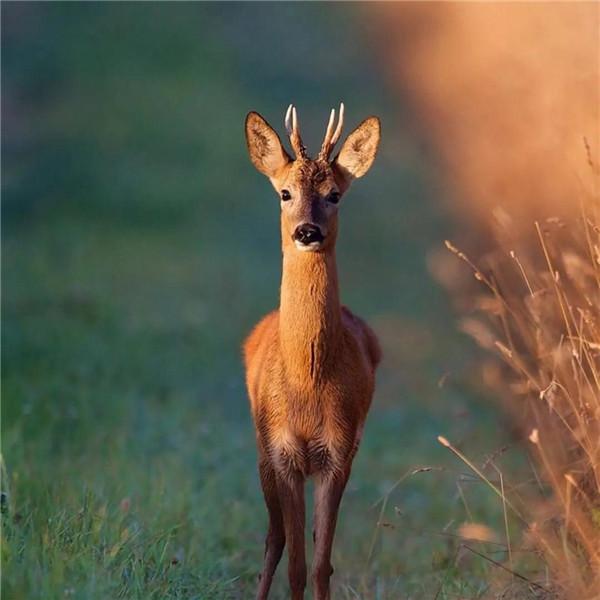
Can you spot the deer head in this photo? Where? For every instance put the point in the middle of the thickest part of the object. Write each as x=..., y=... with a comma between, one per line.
x=310, y=189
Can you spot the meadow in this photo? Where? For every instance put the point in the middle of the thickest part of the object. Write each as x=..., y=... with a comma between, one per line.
x=140, y=246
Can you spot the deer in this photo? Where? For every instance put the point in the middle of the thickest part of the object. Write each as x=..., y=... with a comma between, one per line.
x=310, y=365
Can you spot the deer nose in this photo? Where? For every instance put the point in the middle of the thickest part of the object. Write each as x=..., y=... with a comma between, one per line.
x=307, y=233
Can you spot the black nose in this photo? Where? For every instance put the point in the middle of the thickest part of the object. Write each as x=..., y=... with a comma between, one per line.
x=307, y=233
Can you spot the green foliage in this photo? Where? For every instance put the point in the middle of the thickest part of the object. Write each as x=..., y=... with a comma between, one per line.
x=139, y=248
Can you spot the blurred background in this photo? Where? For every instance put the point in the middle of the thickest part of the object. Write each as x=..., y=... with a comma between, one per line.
x=139, y=248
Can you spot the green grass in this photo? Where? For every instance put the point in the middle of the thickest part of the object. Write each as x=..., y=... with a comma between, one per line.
x=139, y=247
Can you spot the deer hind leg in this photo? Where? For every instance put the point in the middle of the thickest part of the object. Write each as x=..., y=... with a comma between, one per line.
x=329, y=488
x=275, y=541
x=291, y=494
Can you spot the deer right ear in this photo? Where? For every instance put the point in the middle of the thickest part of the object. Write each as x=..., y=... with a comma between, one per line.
x=358, y=152
x=264, y=146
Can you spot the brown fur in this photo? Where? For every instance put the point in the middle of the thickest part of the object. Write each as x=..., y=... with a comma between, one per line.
x=310, y=366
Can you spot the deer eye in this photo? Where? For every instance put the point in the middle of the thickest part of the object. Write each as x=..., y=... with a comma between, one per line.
x=334, y=197
x=285, y=195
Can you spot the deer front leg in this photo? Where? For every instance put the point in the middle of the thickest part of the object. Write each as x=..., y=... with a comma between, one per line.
x=291, y=495
x=329, y=488
x=276, y=535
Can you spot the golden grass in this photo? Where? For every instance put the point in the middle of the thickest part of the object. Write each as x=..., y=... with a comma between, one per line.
x=539, y=310
x=509, y=96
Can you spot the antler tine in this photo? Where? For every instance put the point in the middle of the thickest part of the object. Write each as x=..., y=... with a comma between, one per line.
x=338, y=130
x=288, y=123
x=329, y=131
x=291, y=125
x=331, y=137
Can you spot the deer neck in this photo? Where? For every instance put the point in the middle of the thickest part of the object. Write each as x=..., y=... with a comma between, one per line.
x=309, y=313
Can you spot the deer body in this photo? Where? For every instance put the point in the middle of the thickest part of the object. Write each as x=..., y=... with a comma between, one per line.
x=310, y=366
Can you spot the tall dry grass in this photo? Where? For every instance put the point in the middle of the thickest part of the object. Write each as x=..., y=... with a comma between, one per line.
x=509, y=95
x=538, y=311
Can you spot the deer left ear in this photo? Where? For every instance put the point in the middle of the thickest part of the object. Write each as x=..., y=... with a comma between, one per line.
x=264, y=146
x=359, y=151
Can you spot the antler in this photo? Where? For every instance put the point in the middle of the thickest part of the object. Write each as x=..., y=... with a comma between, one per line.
x=331, y=136
x=291, y=125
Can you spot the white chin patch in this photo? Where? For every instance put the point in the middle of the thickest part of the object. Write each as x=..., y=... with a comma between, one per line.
x=308, y=247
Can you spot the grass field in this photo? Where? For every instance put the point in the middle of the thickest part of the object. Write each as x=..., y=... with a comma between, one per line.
x=139, y=247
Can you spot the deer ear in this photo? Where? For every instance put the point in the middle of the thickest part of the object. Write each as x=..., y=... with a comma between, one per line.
x=358, y=152
x=264, y=146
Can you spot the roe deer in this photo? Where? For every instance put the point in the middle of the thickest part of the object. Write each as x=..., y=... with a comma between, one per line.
x=310, y=366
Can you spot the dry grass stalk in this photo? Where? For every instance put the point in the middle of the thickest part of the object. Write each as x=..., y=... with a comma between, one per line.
x=516, y=126
x=548, y=336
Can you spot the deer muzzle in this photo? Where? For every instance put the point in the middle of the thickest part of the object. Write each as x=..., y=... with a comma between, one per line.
x=308, y=237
